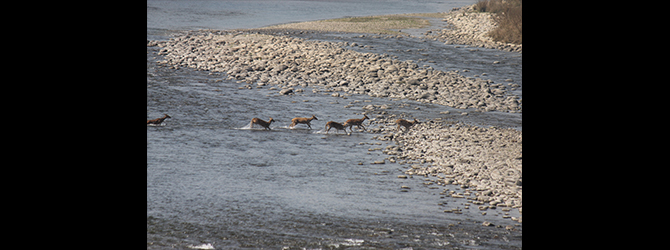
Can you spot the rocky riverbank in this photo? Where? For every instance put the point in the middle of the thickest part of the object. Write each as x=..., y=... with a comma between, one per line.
x=485, y=162
x=290, y=63
x=465, y=26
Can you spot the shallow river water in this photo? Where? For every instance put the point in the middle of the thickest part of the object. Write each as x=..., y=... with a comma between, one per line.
x=213, y=182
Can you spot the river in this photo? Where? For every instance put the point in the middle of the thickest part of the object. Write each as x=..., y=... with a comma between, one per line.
x=212, y=182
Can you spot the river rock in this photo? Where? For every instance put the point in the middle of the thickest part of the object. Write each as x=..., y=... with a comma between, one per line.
x=466, y=26
x=286, y=91
x=273, y=60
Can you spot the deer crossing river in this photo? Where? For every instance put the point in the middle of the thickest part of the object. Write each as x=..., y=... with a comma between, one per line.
x=215, y=183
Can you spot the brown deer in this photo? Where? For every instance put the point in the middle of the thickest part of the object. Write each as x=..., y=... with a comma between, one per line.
x=302, y=120
x=405, y=123
x=158, y=121
x=338, y=126
x=357, y=122
x=264, y=124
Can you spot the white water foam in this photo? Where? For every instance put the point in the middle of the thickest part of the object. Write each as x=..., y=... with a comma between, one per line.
x=331, y=132
x=257, y=127
x=203, y=246
x=352, y=242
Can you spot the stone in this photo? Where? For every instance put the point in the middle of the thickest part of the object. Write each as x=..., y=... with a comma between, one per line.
x=487, y=224
x=286, y=91
x=282, y=62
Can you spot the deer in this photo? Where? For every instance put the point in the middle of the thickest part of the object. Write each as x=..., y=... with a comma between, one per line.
x=405, y=123
x=302, y=120
x=158, y=121
x=264, y=124
x=338, y=126
x=357, y=122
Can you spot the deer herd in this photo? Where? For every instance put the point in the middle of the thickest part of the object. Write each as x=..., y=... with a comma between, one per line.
x=307, y=121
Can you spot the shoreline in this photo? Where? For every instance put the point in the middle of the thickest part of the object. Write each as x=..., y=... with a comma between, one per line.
x=485, y=162
x=470, y=28
x=462, y=26
x=290, y=62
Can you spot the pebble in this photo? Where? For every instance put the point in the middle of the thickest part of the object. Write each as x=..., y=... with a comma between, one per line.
x=228, y=53
x=468, y=156
x=461, y=153
x=286, y=91
x=466, y=26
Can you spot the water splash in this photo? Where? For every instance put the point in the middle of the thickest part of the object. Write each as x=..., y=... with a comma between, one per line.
x=203, y=246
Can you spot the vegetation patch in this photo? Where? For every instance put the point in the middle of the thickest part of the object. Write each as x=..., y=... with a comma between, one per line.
x=387, y=24
x=508, y=15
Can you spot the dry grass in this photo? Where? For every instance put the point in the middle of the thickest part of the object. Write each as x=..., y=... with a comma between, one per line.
x=388, y=24
x=508, y=16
